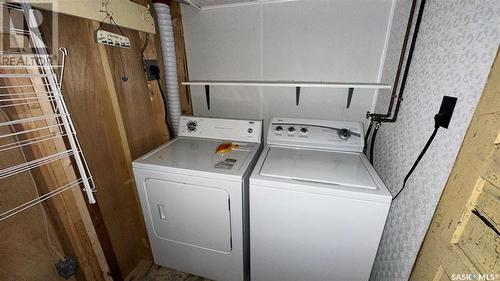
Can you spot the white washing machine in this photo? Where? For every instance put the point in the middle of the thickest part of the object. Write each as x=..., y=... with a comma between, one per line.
x=317, y=206
x=195, y=201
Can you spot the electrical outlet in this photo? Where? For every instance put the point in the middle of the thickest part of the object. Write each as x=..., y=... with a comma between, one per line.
x=152, y=69
x=443, y=118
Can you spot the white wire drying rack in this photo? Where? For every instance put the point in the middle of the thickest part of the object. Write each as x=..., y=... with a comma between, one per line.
x=23, y=86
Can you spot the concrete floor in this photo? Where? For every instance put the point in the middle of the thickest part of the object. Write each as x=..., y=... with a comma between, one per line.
x=160, y=273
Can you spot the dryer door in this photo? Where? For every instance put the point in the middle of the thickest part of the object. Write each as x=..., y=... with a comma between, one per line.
x=190, y=214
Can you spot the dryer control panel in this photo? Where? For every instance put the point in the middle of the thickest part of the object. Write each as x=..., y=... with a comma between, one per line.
x=223, y=129
x=336, y=135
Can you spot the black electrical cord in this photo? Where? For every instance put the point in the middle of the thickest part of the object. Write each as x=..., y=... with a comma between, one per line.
x=433, y=135
x=163, y=98
x=372, y=144
x=155, y=71
x=367, y=136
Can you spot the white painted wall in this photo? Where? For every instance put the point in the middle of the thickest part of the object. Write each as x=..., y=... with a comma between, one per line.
x=328, y=40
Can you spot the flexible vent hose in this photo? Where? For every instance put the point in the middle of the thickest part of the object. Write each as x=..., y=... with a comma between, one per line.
x=169, y=62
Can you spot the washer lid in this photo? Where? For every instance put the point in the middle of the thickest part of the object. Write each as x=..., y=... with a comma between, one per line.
x=330, y=167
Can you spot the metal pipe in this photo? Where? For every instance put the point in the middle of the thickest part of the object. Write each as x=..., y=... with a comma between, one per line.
x=407, y=67
x=394, y=93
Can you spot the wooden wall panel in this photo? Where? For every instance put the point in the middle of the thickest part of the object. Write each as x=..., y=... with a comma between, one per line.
x=149, y=45
x=134, y=96
x=87, y=94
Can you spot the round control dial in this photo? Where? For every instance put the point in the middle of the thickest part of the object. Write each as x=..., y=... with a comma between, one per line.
x=304, y=131
x=278, y=129
x=191, y=126
x=344, y=134
x=291, y=130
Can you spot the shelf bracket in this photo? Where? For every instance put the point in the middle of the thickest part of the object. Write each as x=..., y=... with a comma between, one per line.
x=349, y=97
x=207, y=95
x=297, y=95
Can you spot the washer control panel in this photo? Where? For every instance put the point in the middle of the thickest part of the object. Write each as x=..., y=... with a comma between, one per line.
x=338, y=135
x=224, y=129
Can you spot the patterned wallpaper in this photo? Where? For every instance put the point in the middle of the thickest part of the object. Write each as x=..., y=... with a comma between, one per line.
x=457, y=44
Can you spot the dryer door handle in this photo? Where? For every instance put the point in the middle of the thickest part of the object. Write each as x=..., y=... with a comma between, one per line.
x=162, y=212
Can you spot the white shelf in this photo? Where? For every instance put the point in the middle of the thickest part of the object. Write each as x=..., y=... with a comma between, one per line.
x=305, y=84
x=210, y=4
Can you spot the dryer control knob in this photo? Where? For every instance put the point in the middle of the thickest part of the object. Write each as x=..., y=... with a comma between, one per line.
x=279, y=128
x=291, y=130
x=191, y=126
x=344, y=134
x=304, y=131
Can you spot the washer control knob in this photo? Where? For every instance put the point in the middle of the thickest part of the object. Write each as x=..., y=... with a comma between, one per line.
x=304, y=131
x=191, y=126
x=250, y=130
x=278, y=129
x=291, y=130
x=344, y=134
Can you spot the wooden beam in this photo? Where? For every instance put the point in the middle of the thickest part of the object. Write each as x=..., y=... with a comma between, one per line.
x=129, y=251
x=114, y=101
x=125, y=13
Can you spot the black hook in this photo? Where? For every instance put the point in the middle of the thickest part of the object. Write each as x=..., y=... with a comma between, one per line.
x=349, y=97
x=207, y=95
x=297, y=95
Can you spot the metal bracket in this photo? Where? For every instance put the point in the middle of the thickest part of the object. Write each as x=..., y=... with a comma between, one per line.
x=207, y=95
x=349, y=97
x=297, y=95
